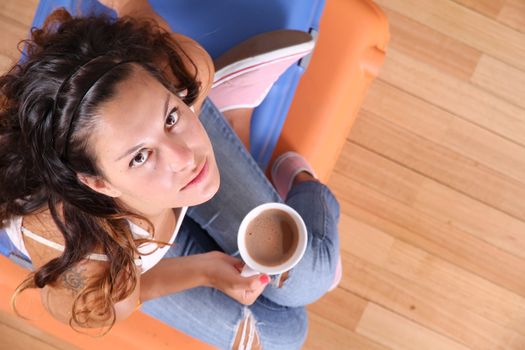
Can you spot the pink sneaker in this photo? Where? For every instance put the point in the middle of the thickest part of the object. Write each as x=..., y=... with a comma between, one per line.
x=338, y=275
x=284, y=170
x=245, y=74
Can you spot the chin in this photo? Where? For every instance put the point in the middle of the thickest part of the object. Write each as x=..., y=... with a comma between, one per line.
x=206, y=194
x=211, y=192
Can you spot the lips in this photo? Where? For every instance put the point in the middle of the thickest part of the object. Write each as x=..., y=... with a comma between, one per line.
x=197, y=177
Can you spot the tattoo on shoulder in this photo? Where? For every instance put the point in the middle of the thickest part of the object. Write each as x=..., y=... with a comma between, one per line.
x=74, y=279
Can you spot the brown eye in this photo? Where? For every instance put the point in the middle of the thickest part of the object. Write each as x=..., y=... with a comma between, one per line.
x=140, y=158
x=172, y=118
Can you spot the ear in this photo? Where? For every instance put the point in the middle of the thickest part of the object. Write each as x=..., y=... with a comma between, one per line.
x=99, y=185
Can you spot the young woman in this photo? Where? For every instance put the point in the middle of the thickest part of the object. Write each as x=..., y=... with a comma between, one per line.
x=123, y=186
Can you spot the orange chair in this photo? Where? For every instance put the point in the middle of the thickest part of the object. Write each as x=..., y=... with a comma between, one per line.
x=139, y=331
x=349, y=53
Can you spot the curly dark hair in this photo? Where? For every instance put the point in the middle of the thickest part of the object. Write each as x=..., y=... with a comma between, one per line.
x=48, y=107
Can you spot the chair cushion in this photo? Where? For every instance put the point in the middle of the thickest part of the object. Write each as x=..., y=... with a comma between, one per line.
x=220, y=25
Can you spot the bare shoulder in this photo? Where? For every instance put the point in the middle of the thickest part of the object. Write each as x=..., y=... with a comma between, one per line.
x=42, y=224
x=58, y=298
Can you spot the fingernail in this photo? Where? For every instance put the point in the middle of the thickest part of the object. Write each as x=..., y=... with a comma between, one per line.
x=264, y=279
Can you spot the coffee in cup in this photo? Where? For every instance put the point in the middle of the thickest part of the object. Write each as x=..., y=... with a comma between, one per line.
x=272, y=239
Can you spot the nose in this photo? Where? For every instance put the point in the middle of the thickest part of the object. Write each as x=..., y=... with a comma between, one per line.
x=179, y=157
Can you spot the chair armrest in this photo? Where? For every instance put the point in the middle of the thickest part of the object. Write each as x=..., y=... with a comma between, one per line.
x=353, y=36
x=138, y=332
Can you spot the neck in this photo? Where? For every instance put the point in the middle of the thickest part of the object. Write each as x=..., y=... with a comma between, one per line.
x=160, y=221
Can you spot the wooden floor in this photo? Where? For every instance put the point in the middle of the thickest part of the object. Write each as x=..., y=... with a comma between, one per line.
x=431, y=184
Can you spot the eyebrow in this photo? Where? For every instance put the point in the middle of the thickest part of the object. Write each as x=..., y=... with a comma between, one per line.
x=140, y=145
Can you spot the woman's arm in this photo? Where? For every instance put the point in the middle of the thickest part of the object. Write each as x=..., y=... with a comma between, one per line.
x=213, y=269
x=135, y=8
x=199, y=56
x=170, y=275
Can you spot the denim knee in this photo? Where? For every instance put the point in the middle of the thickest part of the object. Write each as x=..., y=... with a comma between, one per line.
x=313, y=276
x=306, y=194
x=280, y=327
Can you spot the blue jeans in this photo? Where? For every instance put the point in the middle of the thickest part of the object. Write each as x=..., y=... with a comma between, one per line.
x=278, y=314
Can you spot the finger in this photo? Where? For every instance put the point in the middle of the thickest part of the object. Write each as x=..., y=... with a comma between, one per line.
x=239, y=266
x=258, y=282
x=250, y=296
x=232, y=260
x=249, y=299
x=248, y=283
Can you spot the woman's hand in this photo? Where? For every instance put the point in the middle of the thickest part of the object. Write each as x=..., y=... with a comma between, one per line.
x=224, y=273
x=113, y=4
x=118, y=5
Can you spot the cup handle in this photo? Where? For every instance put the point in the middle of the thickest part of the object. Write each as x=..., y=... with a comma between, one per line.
x=248, y=271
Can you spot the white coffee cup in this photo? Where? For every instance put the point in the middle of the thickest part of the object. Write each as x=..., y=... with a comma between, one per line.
x=252, y=267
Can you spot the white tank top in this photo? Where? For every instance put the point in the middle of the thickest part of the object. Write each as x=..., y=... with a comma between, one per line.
x=15, y=231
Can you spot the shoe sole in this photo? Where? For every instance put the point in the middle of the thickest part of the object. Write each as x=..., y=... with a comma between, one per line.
x=261, y=50
x=277, y=164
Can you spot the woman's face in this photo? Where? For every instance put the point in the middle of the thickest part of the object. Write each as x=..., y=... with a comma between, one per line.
x=152, y=149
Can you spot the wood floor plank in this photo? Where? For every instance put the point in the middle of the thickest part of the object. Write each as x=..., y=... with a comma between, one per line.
x=15, y=19
x=461, y=98
x=6, y=62
x=327, y=335
x=383, y=210
x=428, y=270
x=425, y=308
x=468, y=26
x=501, y=80
x=432, y=47
x=340, y=307
x=15, y=334
x=397, y=332
x=427, y=196
x=11, y=32
x=489, y=8
x=13, y=340
x=436, y=161
x=464, y=288
x=513, y=14
x=355, y=233
x=467, y=214
x=21, y=11
x=442, y=127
